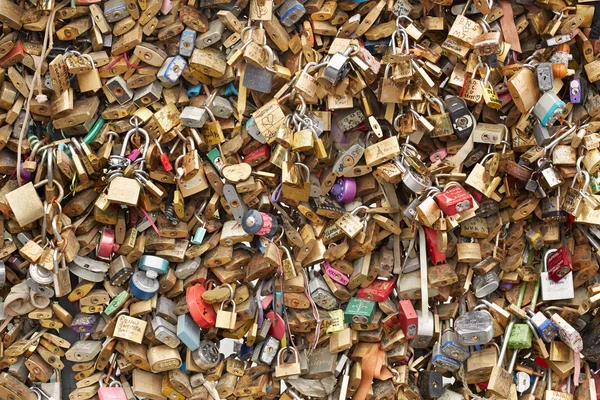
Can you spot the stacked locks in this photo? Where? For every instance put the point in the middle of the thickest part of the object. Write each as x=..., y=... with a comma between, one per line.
x=299, y=199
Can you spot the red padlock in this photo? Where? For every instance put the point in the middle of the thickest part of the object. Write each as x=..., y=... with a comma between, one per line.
x=377, y=291
x=106, y=246
x=258, y=156
x=434, y=252
x=559, y=264
x=409, y=320
x=203, y=314
x=454, y=200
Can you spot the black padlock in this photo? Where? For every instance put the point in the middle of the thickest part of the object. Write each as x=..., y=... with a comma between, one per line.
x=430, y=384
x=462, y=119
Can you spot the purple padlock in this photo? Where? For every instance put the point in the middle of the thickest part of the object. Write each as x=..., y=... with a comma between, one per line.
x=344, y=189
x=25, y=175
x=575, y=91
x=84, y=323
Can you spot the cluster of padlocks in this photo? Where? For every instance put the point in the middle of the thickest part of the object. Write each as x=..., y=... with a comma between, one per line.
x=299, y=199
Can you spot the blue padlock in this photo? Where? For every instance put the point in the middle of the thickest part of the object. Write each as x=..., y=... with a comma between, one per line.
x=186, y=42
x=199, y=235
x=188, y=331
x=290, y=12
x=153, y=266
x=142, y=286
x=194, y=90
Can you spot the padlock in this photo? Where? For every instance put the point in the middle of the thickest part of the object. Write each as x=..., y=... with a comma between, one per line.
x=226, y=319
x=287, y=369
x=546, y=329
x=321, y=294
x=548, y=109
x=462, y=119
x=552, y=290
x=450, y=346
x=559, y=264
x=474, y=327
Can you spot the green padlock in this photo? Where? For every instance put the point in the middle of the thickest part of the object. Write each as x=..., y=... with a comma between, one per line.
x=520, y=337
x=359, y=311
x=594, y=184
x=117, y=302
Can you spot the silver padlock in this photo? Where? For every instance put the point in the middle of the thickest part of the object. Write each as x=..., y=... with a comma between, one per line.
x=290, y=12
x=207, y=355
x=549, y=108
x=171, y=70
x=424, y=331
x=221, y=107
x=338, y=66
x=187, y=268
x=165, y=332
x=258, y=79
x=164, y=309
x=486, y=284
x=115, y=10
x=542, y=135
x=148, y=94
x=187, y=42
x=212, y=35
x=545, y=77
x=474, y=328
x=237, y=205
x=266, y=351
x=119, y=89
x=315, y=186
x=254, y=132
x=193, y=117
x=320, y=293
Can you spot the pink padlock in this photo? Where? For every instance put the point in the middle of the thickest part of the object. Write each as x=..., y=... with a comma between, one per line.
x=107, y=246
x=135, y=153
x=439, y=154
x=335, y=274
x=112, y=392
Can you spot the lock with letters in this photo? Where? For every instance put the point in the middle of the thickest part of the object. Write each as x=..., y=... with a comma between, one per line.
x=474, y=328
x=551, y=290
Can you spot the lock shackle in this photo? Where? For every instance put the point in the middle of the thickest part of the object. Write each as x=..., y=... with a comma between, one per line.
x=546, y=256
x=231, y=291
x=485, y=26
x=228, y=301
x=136, y=129
x=288, y=349
x=486, y=157
x=359, y=209
x=243, y=32
x=486, y=79
x=191, y=141
x=450, y=184
x=61, y=190
x=549, y=147
x=467, y=5
x=306, y=169
x=435, y=100
x=271, y=58
x=532, y=327
x=287, y=252
x=112, y=136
